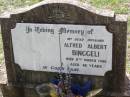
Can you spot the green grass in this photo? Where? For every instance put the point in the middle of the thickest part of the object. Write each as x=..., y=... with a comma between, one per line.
x=12, y=4
x=129, y=46
x=119, y=6
x=18, y=3
x=1, y=51
x=128, y=38
x=129, y=25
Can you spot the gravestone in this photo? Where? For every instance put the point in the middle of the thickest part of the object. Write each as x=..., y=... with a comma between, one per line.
x=63, y=37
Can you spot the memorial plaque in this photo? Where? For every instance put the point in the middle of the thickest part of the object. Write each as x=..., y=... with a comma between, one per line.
x=64, y=40
x=77, y=49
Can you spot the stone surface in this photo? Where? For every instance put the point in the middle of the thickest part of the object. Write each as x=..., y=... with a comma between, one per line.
x=48, y=49
x=1, y=95
x=65, y=12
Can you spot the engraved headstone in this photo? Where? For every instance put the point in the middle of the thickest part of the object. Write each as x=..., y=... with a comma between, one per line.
x=65, y=36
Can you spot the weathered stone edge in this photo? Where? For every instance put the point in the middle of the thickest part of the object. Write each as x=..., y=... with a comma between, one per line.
x=88, y=7
x=121, y=17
